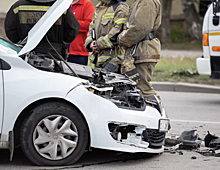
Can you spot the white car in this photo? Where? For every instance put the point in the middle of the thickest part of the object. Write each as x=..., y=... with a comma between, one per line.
x=56, y=116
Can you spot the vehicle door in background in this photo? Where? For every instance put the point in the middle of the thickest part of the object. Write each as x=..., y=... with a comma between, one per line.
x=209, y=63
x=214, y=40
x=1, y=96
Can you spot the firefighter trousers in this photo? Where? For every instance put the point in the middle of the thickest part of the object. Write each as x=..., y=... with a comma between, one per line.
x=145, y=71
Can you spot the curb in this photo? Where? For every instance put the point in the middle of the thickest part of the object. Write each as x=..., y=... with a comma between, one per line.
x=185, y=87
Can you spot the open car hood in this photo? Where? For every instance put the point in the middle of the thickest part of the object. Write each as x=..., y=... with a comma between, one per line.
x=39, y=30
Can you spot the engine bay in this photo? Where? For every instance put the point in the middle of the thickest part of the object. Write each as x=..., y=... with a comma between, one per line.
x=117, y=88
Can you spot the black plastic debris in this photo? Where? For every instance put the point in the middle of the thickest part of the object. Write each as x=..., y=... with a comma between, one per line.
x=190, y=140
x=187, y=140
x=209, y=152
x=206, y=152
x=180, y=152
x=189, y=135
x=212, y=141
x=172, y=141
x=217, y=153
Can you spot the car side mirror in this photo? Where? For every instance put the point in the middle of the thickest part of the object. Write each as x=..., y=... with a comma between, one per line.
x=215, y=20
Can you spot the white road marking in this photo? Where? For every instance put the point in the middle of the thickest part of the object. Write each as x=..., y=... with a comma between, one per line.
x=194, y=121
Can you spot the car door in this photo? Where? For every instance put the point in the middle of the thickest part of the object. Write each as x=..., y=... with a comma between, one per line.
x=1, y=95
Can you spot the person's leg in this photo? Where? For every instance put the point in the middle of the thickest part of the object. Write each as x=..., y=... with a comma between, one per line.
x=78, y=59
x=84, y=60
x=145, y=71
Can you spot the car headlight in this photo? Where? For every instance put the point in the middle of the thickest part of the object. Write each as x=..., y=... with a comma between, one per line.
x=164, y=125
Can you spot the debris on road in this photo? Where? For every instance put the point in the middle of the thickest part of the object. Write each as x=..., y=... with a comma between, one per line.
x=189, y=140
x=212, y=141
x=193, y=157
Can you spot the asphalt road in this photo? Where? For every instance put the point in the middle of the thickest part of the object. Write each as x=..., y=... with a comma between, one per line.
x=186, y=111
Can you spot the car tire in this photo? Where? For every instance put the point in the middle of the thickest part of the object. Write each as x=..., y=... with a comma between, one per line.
x=54, y=133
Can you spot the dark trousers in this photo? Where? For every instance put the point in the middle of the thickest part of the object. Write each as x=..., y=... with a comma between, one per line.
x=78, y=59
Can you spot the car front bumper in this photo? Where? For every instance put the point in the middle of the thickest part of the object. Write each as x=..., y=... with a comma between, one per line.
x=99, y=113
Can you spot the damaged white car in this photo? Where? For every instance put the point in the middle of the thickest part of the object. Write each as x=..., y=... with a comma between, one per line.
x=55, y=116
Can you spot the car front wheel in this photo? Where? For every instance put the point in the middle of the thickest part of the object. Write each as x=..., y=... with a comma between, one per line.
x=54, y=134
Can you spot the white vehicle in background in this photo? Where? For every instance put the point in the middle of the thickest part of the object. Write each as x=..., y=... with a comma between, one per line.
x=209, y=63
x=57, y=113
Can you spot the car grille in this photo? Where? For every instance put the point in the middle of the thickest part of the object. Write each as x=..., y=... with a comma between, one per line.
x=154, y=138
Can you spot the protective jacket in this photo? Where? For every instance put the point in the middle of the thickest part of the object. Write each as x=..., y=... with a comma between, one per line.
x=24, y=14
x=108, y=21
x=144, y=18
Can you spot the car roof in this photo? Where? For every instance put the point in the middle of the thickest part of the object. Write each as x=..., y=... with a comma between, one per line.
x=39, y=30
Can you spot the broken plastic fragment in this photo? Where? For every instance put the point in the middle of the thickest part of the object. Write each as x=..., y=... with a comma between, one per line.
x=212, y=141
x=187, y=140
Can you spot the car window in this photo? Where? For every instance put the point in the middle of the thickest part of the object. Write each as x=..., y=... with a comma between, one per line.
x=4, y=65
x=9, y=45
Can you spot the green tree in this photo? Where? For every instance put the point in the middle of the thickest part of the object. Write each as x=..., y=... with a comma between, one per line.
x=165, y=25
x=194, y=27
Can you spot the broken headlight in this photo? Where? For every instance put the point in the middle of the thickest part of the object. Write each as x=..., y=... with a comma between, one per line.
x=164, y=125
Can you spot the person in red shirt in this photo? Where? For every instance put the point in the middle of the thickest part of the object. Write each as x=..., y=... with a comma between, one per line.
x=83, y=11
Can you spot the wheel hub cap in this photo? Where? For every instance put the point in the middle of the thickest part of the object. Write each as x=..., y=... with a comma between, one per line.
x=55, y=137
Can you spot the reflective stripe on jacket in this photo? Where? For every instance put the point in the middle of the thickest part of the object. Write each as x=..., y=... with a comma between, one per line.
x=24, y=14
x=108, y=21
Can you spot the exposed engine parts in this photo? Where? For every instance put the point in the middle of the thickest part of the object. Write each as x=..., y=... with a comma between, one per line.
x=117, y=88
x=122, y=90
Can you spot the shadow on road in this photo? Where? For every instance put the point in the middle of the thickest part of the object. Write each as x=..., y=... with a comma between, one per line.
x=96, y=157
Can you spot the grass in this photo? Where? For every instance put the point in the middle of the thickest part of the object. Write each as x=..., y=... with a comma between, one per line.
x=170, y=69
x=180, y=70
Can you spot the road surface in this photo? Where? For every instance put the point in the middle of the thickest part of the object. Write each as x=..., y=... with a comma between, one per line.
x=187, y=111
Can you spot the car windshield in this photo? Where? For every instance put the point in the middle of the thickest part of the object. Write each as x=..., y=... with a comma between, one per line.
x=9, y=45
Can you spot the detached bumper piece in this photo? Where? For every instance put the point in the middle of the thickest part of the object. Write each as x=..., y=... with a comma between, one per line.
x=137, y=135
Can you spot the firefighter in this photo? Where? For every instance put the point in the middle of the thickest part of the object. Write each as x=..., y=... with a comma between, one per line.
x=108, y=22
x=140, y=42
x=24, y=14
